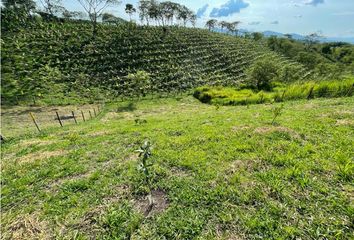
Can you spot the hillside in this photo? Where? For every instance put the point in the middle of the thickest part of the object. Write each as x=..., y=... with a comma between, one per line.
x=60, y=59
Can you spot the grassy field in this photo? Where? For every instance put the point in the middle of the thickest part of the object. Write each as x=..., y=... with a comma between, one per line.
x=217, y=173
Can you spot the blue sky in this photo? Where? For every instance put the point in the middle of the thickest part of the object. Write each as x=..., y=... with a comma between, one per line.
x=332, y=18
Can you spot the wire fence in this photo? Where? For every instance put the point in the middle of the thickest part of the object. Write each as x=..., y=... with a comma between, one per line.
x=16, y=121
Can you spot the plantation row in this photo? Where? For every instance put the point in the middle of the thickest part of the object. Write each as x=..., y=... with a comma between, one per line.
x=65, y=57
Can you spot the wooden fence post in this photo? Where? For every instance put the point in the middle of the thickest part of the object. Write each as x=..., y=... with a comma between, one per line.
x=74, y=116
x=34, y=121
x=59, y=120
x=83, y=116
x=90, y=114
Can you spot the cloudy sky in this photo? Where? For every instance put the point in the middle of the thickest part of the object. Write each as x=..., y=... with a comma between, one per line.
x=332, y=18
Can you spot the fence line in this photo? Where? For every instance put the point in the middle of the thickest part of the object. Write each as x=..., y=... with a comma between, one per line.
x=62, y=118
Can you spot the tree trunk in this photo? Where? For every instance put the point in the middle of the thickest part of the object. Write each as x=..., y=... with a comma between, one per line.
x=94, y=25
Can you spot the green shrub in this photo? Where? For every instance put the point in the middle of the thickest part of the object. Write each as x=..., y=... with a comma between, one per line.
x=262, y=73
x=140, y=82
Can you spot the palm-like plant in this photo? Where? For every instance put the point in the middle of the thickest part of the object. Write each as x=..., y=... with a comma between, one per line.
x=130, y=10
x=210, y=24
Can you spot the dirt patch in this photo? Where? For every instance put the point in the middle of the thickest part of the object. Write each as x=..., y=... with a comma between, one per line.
x=110, y=116
x=131, y=157
x=98, y=133
x=89, y=222
x=180, y=172
x=308, y=106
x=159, y=203
x=28, y=226
x=239, y=128
x=237, y=165
x=345, y=112
x=345, y=122
x=271, y=129
x=38, y=156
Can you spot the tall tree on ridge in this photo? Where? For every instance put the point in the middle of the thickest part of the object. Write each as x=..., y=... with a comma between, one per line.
x=52, y=6
x=210, y=24
x=129, y=9
x=94, y=9
x=144, y=11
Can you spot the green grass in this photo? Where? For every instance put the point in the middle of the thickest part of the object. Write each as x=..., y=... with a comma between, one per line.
x=217, y=173
x=231, y=96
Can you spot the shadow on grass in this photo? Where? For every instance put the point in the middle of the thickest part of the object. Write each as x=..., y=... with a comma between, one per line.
x=130, y=107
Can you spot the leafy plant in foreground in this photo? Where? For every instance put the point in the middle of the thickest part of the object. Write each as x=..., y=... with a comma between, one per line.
x=277, y=111
x=144, y=155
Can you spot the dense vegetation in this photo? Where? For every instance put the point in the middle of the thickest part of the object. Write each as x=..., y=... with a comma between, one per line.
x=326, y=59
x=52, y=56
x=279, y=92
x=63, y=57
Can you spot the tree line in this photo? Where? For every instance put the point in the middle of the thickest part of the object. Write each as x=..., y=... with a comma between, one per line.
x=231, y=27
x=150, y=12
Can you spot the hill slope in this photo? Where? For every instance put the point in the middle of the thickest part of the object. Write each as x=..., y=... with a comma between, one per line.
x=62, y=57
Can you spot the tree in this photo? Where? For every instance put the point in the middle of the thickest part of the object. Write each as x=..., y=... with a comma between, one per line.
x=94, y=9
x=257, y=36
x=168, y=11
x=312, y=39
x=27, y=5
x=193, y=18
x=211, y=24
x=15, y=14
x=154, y=12
x=111, y=19
x=144, y=11
x=232, y=27
x=262, y=73
x=129, y=9
x=52, y=7
x=72, y=14
x=223, y=24
x=183, y=14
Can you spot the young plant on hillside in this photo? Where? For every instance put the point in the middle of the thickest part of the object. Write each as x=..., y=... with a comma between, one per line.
x=144, y=155
x=140, y=81
x=277, y=111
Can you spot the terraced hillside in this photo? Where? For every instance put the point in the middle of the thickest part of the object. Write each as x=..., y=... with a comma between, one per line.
x=65, y=57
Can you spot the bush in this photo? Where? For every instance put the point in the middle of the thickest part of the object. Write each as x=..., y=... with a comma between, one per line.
x=262, y=73
x=140, y=82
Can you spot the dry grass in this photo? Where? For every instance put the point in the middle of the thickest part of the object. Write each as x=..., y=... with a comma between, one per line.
x=32, y=157
x=272, y=129
x=345, y=122
x=28, y=227
x=36, y=142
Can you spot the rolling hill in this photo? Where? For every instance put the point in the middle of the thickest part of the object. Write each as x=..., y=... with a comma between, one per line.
x=62, y=57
